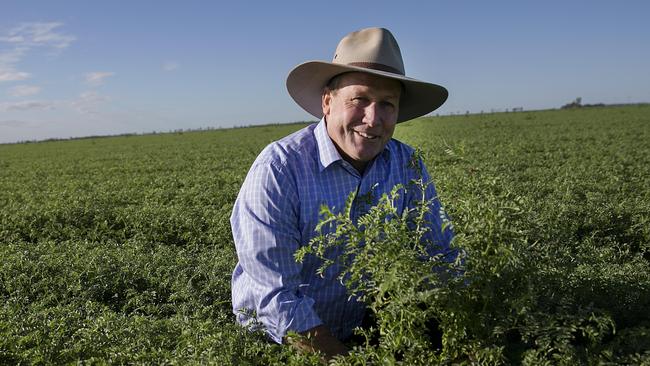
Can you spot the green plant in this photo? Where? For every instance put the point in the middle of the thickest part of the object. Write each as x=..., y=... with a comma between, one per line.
x=118, y=250
x=386, y=264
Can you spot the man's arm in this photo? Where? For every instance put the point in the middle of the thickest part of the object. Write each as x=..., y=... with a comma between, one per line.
x=265, y=230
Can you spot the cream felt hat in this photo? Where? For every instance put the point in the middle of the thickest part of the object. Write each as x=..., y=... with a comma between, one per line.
x=373, y=51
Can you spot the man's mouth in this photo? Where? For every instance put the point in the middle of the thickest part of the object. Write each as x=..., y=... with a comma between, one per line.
x=366, y=136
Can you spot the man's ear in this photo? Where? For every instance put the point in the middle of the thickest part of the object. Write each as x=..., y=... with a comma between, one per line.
x=326, y=101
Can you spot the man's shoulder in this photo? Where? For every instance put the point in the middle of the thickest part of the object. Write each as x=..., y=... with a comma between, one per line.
x=297, y=146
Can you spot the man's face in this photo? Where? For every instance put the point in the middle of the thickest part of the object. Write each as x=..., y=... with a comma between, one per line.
x=361, y=115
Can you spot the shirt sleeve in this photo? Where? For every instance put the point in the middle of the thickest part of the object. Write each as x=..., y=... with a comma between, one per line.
x=266, y=234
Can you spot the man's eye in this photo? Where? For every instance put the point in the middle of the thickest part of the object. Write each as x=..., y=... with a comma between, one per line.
x=387, y=104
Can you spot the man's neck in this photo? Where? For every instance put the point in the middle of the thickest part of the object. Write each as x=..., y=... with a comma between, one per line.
x=360, y=166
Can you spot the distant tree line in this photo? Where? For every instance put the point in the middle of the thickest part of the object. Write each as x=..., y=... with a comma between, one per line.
x=577, y=103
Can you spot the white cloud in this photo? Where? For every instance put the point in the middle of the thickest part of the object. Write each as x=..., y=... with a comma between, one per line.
x=24, y=90
x=170, y=65
x=7, y=60
x=27, y=105
x=9, y=74
x=38, y=34
x=12, y=56
x=87, y=102
x=25, y=37
x=97, y=78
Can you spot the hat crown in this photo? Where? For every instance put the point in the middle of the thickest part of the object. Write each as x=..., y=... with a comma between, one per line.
x=371, y=48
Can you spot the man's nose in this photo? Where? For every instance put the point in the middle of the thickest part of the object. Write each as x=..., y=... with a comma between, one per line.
x=372, y=115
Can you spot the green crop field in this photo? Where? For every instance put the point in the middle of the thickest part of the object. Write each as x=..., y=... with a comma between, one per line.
x=118, y=250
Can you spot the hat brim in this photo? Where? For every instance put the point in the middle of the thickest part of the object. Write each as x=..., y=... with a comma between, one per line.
x=306, y=81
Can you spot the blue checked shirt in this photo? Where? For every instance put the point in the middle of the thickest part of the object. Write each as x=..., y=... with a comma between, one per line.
x=277, y=211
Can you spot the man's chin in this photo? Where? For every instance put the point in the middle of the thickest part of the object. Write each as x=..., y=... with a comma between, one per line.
x=365, y=156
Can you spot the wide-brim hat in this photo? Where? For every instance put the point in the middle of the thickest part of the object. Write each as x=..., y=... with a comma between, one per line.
x=372, y=51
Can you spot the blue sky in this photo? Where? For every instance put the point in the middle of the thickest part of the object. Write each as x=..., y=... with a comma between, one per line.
x=78, y=68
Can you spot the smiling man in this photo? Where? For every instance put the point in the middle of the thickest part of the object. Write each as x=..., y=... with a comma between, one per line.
x=360, y=97
x=360, y=111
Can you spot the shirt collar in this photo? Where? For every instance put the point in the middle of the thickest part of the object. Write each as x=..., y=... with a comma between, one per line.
x=327, y=152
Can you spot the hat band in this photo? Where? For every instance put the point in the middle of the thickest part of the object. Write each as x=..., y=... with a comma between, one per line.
x=376, y=66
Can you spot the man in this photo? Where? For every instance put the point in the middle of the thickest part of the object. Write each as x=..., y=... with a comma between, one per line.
x=360, y=96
